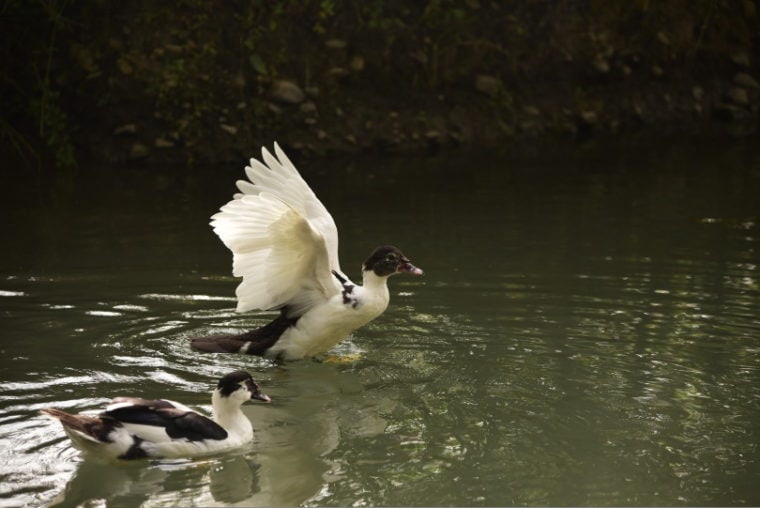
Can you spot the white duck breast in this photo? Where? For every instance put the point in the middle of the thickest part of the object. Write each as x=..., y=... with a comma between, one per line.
x=284, y=245
x=133, y=428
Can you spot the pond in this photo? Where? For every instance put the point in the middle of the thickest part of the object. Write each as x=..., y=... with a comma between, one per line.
x=587, y=332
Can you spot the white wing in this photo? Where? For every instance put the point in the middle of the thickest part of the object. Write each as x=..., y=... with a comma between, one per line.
x=284, y=242
x=279, y=177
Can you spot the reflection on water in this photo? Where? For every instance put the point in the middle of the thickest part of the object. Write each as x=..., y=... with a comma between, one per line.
x=587, y=333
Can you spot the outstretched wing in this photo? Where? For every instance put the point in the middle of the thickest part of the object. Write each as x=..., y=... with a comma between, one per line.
x=280, y=178
x=284, y=242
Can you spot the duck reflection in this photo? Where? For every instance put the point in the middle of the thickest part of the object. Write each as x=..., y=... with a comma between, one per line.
x=297, y=433
x=230, y=479
x=233, y=479
x=117, y=484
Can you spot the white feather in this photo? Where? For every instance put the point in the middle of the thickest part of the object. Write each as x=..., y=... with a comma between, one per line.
x=284, y=241
x=112, y=406
x=152, y=433
x=120, y=442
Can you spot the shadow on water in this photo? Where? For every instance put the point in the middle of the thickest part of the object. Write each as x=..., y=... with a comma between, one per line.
x=587, y=333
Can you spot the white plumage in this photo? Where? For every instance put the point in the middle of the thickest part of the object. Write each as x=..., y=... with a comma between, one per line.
x=134, y=428
x=284, y=245
x=284, y=241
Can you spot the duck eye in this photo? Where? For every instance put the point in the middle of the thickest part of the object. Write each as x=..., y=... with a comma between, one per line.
x=391, y=257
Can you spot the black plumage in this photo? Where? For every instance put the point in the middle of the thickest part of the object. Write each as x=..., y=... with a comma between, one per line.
x=178, y=423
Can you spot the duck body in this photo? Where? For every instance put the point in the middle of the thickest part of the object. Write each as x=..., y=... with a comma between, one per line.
x=285, y=246
x=135, y=428
x=322, y=327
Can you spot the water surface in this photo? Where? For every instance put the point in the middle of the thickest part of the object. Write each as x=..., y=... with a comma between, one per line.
x=587, y=333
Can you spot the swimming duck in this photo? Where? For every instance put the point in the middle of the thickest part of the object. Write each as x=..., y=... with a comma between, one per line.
x=284, y=245
x=135, y=428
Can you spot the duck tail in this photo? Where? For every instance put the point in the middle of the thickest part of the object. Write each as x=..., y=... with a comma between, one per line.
x=220, y=344
x=102, y=436
x=254, y=342
x=90, y=428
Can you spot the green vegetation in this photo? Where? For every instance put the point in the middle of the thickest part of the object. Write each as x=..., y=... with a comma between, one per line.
x=207, y=81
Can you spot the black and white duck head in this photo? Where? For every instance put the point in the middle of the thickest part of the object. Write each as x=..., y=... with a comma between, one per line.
x=233, y=390
x=388, y=260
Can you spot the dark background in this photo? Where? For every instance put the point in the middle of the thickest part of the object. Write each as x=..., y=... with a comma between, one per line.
x=202, y=81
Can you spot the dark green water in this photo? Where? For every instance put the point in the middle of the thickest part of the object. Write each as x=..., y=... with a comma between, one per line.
x=587, y=333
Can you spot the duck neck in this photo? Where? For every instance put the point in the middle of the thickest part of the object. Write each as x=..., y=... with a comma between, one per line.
x=228, y=414
x=373, y=282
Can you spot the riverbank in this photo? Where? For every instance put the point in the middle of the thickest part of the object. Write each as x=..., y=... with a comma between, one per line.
x=357, y=122
x=211, y=83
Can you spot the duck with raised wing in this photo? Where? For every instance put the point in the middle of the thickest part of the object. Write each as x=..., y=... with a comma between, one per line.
x=284, y=245
x=135, y=428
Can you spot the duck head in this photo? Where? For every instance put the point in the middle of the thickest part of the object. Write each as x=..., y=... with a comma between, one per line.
x=240, y=386
x=387, y=260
